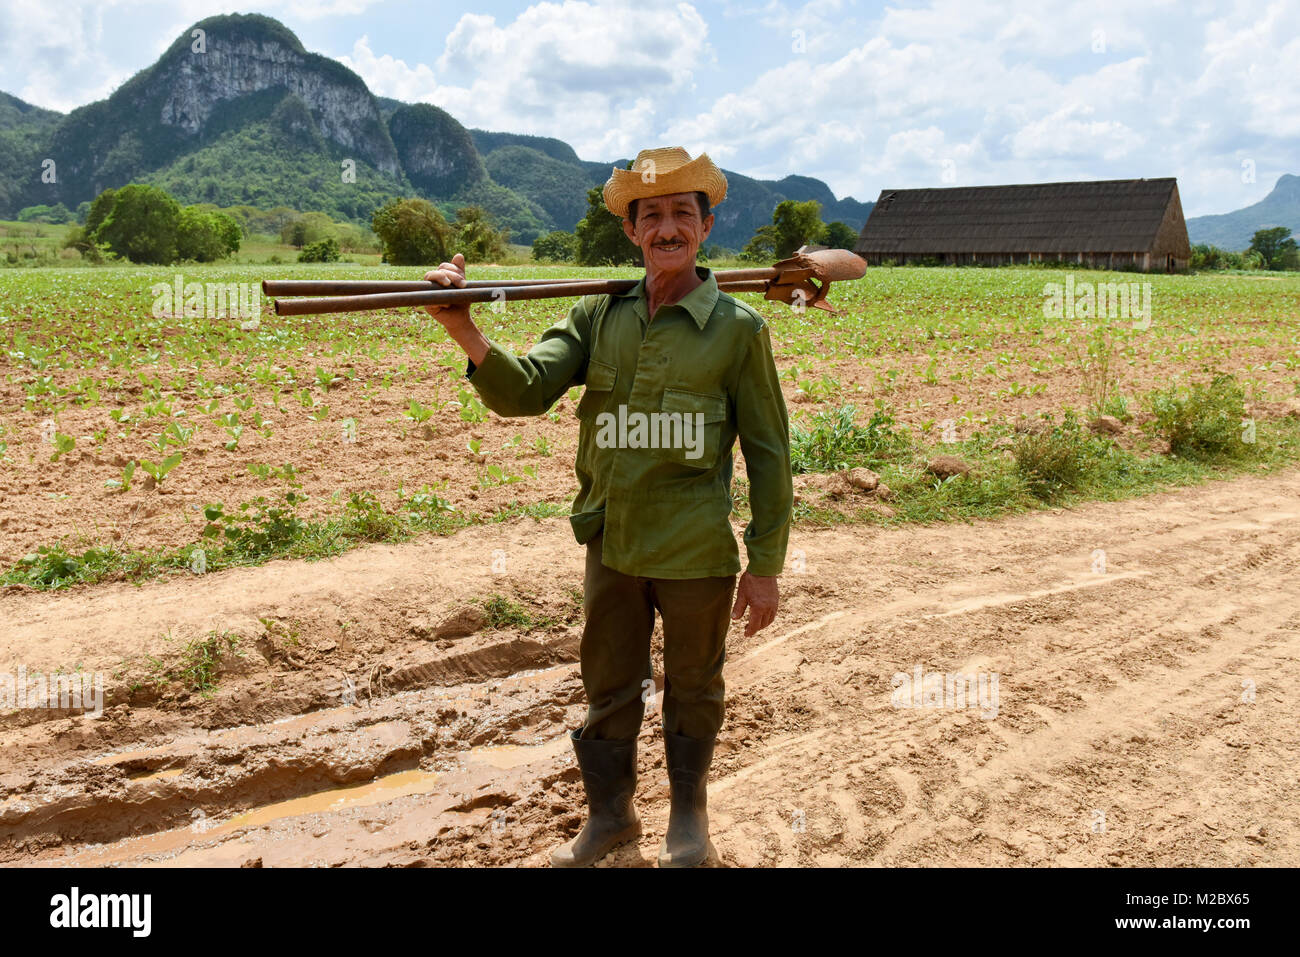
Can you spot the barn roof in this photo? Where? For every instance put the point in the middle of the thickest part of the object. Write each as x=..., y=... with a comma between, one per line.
x=1121, y=215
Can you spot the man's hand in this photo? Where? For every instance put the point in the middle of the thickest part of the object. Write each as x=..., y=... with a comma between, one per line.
x=761, y=596
x=449, y=274
x=455, y=319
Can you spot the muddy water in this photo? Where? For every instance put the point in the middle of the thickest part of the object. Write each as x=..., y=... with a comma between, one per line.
x=331, y=801
x=388, y=788
x=507, y=756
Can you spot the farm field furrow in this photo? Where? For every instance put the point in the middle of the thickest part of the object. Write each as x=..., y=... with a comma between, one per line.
x=369, y=412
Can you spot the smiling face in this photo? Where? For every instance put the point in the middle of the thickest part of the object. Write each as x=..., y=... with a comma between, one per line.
x=669, y=231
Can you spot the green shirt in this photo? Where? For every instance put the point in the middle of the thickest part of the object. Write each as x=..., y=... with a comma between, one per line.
x=665, y=510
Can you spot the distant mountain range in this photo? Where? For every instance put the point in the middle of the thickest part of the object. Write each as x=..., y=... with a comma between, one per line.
x=1234, y=230
x=254, y=119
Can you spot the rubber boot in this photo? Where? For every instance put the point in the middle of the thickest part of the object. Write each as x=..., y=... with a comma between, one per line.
x=609, y=775
x=687, y=842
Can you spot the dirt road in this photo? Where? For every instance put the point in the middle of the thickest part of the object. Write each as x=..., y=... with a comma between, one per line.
x=1135, y=671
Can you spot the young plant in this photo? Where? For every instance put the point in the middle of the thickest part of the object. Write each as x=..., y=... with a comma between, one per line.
x=158, y=470
x=124, y=483
x=63, y=444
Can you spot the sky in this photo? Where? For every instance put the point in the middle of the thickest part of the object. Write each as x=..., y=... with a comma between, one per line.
x=863, y=95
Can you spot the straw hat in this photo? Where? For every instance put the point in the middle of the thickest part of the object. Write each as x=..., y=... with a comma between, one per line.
x=662, y=172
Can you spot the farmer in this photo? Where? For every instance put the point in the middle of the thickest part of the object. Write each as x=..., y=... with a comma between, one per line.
x=675, y=371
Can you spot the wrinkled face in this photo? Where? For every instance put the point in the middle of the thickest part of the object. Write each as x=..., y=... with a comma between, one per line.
x=669, y=231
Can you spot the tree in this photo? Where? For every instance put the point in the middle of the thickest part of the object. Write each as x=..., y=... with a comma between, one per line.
x=601, y=240
x=205, y=235
x=56, y=214
x=142, y=225
x=839, y=235
x=793, y=225
x=1272, y=245
x=308, y=228
x=1206, y=256
x=762, y=248
x=797, y=224
x=356, y=239
x=477, y=238
x=555, y=247
x=99, y=209
x=325, y=251
x=413, y=232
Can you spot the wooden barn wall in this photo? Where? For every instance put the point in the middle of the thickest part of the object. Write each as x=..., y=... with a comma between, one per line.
x=1125, y=261
x=1171, y=238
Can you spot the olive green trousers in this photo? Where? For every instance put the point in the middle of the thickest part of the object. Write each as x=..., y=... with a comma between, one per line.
x=615, y=652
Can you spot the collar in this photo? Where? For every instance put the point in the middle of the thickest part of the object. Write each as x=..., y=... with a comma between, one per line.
x=699, y=302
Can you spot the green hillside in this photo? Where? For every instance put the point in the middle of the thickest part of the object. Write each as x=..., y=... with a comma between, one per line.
x=24, y=132
x=1233, y=230
x=249, y=117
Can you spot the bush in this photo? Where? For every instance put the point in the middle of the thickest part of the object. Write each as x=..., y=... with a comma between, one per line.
x=555, y=247
x=1060, y=458
x=307, y=229
x=56, y=214
x=206, y=235
x=477, y=238
x=144, y=224
x=836, y=442
x=1203, y=420
x=413, y=233
x=600, y=237
x=325, y=251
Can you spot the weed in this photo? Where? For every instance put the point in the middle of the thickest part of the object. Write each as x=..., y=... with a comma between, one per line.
x=837, y=442
x=1204, y=420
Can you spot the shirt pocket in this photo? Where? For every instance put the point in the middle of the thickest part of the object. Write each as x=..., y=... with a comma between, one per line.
x=690, y=429
x=600, y=385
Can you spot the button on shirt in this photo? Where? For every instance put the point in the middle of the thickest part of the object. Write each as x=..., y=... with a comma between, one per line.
x=658, y=486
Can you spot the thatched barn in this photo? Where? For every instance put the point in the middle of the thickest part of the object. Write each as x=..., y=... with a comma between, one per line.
x=1108, y=224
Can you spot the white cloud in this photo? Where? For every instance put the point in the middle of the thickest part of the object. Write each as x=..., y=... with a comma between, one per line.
x=988, y=91
x=605, y=76
x=998, y=93
x=388, y=76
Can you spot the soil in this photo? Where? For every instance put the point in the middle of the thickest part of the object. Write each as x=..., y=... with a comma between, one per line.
x=369, y=712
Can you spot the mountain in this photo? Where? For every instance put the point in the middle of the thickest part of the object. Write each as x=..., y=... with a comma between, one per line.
x=560, y=187
x=1234, y=230
x=24, y=130
x=247, y=116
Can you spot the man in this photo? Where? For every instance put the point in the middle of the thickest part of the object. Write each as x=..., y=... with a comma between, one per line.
x=654, y=502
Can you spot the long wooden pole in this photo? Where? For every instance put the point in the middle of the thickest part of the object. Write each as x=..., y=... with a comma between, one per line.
x=428, y=294
x=788, y=278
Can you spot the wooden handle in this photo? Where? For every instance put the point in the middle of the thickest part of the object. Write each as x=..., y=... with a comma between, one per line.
x=498, y=292
x=448, y=297
x=365, y=287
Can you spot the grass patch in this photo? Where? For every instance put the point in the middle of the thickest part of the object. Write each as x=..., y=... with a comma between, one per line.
x=835, y=441
x=1067, y=465
x=200, y=663
x=1063, y=457
x=505, y=614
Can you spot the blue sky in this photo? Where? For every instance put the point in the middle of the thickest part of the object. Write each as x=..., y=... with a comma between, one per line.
x=863, y=95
